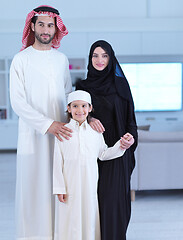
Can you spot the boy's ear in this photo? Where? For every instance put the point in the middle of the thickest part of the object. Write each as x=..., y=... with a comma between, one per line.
x=68, y=108
x=90, y=109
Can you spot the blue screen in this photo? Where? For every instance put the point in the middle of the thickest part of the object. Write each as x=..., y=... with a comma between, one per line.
x=155, y=86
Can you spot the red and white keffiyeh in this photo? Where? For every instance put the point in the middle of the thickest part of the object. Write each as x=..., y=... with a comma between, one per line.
x=28, y=35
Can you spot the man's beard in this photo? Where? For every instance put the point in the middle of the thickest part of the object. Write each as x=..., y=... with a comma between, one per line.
x=41, y=40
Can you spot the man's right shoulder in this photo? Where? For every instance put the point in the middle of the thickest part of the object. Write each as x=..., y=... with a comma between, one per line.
x=21, y=54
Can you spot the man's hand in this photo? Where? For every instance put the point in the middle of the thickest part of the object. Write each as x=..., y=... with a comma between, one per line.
x=58, y=128
x=62, y=197
x=96, y=125
x=126, y=141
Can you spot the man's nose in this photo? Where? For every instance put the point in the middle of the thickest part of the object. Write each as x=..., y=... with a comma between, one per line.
x=46, y=29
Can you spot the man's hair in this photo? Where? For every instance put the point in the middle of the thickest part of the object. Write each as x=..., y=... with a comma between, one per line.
x=34, y=19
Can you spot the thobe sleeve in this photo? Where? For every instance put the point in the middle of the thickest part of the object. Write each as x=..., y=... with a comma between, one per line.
x=67, y=80
x=19, y=102
x=58, y=178
x=108, y=153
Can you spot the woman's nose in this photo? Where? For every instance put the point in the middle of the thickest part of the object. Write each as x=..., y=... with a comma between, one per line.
x=100, y=58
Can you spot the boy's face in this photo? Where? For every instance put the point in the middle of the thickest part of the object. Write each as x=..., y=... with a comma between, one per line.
x=79, y=110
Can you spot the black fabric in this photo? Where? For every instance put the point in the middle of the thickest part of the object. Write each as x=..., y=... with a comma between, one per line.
x=46, y=9
x=113, y=106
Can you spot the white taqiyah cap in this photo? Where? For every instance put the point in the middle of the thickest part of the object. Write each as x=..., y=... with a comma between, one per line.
x=79, y=95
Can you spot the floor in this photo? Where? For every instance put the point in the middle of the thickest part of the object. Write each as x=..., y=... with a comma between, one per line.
x=156, y=215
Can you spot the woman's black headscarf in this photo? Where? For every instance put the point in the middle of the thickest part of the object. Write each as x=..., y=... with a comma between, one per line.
x=108, y=81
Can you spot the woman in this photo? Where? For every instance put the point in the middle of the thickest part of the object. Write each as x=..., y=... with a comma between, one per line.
x=113, y=106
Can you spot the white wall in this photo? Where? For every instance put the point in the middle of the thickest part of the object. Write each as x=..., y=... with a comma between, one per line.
x=133, y=27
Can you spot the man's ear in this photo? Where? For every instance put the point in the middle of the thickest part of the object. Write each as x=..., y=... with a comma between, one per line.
x=32, y=26
x=68, y=108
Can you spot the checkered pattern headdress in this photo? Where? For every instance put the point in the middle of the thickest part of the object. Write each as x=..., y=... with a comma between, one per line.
x=28, y=35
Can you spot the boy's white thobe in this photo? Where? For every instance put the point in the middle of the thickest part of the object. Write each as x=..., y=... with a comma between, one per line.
x=75, y=172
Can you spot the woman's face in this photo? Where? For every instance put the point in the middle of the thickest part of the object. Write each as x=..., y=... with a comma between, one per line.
x=100, y=59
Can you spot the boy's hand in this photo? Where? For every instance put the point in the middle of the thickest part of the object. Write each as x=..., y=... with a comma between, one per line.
x=58, y=128
x=62, y=197
x=126, y=141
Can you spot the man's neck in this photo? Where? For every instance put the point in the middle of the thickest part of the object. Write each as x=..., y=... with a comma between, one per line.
x=41, y=47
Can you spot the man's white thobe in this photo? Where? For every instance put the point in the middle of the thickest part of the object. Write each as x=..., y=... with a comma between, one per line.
x=75, y=172
x=39, y=84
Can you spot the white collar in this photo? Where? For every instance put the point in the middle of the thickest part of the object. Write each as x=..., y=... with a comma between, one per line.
x=76, y=125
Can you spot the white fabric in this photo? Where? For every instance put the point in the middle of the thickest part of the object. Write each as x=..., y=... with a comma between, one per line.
x=39, y=83
x=40, y=14
x=79, y=95
x=75, y=172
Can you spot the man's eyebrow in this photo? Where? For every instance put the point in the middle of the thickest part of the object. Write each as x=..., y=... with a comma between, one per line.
x=45, y=23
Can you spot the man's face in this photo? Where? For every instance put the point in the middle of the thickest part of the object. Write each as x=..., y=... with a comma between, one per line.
x=44, y=29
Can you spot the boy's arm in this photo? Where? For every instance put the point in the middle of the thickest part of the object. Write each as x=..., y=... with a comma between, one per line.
x=58, y=178
x=108, y=153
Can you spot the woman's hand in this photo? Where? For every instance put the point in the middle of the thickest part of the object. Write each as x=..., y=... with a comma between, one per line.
x=96, y=125
x=126, y=141
x=62, y=197
x=58, y=129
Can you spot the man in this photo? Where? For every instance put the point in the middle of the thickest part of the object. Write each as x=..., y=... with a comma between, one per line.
x=39, y=84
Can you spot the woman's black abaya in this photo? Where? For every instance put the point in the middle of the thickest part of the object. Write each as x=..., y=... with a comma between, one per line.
x=113, y=106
